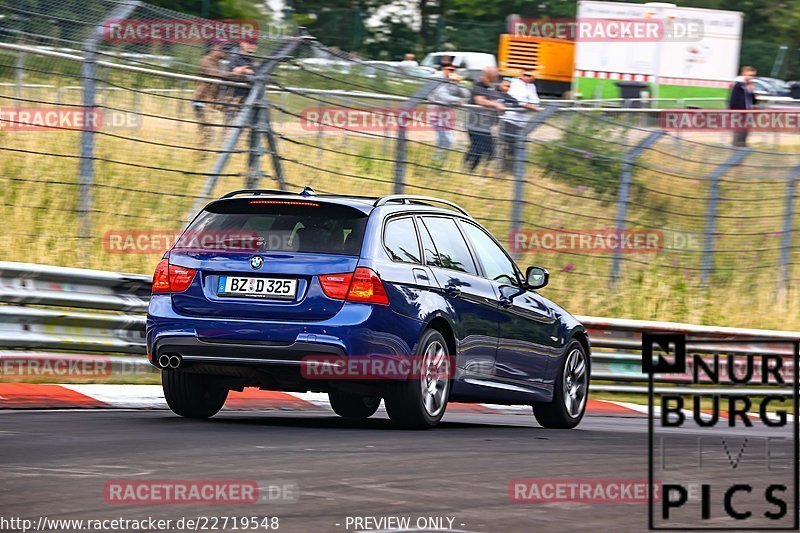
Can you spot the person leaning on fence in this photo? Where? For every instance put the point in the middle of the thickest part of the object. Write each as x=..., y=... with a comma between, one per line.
x=481, y=119
x=206, y=93
x=742, y=97
x=240, y=67
x=450, y=94
x=513, y=122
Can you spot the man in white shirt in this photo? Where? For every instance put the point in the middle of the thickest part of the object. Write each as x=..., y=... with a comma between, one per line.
x=513, y=122
x=409, y=60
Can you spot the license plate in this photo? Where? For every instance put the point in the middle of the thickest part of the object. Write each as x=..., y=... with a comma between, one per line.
x=280, y=289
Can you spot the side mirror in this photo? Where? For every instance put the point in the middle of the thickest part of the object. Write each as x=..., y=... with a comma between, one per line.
x=537, y=277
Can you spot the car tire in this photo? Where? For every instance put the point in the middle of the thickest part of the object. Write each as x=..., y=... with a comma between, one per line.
x=193, y=395
x=571, y=392
x=349, y=405
x=420, y=401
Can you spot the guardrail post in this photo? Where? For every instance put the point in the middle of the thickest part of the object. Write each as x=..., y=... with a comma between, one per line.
x=711, y=216
x=89, y=78
x=786, y=237
x=400, y=147
x=256, y=93
x=626, y=175
x=518, y=167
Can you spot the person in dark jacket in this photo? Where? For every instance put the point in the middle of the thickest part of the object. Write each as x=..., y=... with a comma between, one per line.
x=482, y=117
x=240, y=66
x=742, y=97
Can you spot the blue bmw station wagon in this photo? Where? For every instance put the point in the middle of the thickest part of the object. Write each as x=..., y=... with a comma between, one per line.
x=269, y=282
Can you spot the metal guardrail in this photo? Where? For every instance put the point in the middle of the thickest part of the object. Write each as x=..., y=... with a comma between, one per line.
x=106, y=315
x=72, y=311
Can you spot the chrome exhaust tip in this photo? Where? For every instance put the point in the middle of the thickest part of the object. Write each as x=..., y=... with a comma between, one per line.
x=174, y=361
x=163, y=361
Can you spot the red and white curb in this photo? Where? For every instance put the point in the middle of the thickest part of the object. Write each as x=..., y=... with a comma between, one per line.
x=99, y=396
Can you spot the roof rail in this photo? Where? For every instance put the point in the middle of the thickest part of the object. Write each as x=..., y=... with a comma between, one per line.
x=408, y=198
x=307, y=191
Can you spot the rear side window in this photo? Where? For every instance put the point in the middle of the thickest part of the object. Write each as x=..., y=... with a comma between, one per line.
x=277, y=225
x=453, y=251
x=400, y=239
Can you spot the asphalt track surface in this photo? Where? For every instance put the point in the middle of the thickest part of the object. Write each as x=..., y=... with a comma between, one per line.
x=57, y=463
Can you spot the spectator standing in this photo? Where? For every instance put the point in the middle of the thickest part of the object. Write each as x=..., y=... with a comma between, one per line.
x=743, y=97
x=450, y=94
x=481, y=120
x=409, y=60
x=507, y=144
x=240, y=66
x=207, y=93
x=513, y=122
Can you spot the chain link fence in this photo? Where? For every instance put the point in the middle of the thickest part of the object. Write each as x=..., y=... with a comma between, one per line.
x=631, y=220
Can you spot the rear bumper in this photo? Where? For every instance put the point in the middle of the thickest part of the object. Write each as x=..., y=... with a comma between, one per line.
x=195, y=350
x=357, y=329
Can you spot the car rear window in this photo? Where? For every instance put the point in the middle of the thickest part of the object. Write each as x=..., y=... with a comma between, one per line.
x=277, y=225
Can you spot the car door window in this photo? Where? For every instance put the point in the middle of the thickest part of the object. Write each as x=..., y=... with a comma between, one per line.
x=400, y=239
x=496, y=263
x=453, y=250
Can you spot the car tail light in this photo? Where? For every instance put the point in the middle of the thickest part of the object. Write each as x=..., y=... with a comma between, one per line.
x=335, y=285
x=171, y=278
x=363, y=285
x=161, y=277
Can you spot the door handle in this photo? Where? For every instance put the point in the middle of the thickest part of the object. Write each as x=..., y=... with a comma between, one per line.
x=421, y=277
x=452, y=290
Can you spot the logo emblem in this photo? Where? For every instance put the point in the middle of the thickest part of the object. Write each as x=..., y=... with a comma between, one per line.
x=663, y=353
x=256, y=262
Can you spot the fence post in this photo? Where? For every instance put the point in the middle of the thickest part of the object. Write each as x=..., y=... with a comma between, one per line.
x=256, y=148
x=400, y=148
x=269, y=133
x=711, y=216
x=786, y=238
x=86, y=175
x=245, y=113
x=89, y=77
x=518, y=168
x=20, y=77
x=626, y=175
